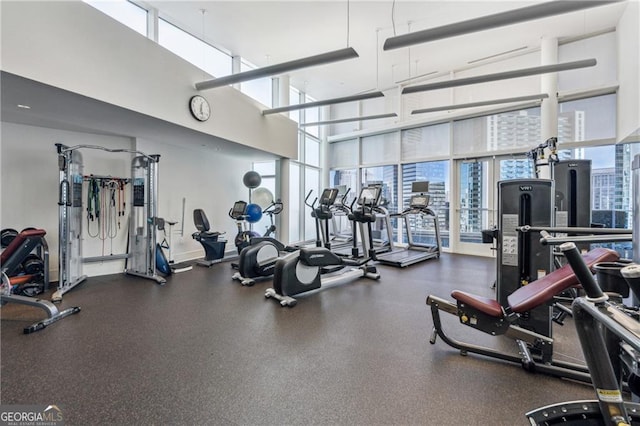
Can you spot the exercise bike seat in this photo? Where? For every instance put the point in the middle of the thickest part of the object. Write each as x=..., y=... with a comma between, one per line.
x=202, y=225
x=538, y=292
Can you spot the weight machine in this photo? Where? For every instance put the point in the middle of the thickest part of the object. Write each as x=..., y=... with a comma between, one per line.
x=141, y=256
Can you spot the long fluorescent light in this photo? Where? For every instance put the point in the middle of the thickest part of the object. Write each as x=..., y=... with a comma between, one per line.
x=524, y=72
x=492, y=21
x=348, y=120
x=483, y=103
x=352, y=98
x=321, y=59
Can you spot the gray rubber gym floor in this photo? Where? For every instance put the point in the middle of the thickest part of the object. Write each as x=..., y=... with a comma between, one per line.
x=204, y=350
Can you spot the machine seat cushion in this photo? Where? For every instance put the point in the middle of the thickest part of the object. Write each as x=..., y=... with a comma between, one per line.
x=539, y=291
x=486, y=305
x=544, y=289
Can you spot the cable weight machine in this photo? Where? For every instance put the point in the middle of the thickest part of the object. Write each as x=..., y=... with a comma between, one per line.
x=140, y=259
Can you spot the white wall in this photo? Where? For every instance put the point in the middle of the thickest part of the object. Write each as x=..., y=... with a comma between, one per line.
x=30, y=180
x=73, y=46
x=628, y=32
x=208, y=180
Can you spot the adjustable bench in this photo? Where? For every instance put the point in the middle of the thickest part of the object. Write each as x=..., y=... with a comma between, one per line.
x=488, y=316
x=10, y=259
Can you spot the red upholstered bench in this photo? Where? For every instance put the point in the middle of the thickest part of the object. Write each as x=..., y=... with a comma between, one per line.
x=539, y=291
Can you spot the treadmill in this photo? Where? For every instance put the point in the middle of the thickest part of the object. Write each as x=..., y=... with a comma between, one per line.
x=414, y=252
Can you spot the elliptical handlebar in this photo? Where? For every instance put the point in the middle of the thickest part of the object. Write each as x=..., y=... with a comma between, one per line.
x=306, y=199
x=274, y=208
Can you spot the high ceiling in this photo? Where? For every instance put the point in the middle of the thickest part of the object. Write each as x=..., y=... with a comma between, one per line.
x=271, y=32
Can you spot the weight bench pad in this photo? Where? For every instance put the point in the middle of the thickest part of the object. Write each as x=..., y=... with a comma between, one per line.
x=17, y=242
x=539, y=291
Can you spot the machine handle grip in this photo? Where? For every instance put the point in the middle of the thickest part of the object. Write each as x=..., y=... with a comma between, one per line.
x=64, y=189
x=580, y=268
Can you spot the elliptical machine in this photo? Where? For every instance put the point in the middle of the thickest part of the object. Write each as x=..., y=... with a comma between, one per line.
x=301, y=271
x=258, y=259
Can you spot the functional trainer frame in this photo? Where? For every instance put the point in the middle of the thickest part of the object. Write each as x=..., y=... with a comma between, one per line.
x=141, y=259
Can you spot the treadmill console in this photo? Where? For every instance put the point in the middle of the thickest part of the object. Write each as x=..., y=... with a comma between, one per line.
x=328, y=196
x=370, y=196
x=419, y=201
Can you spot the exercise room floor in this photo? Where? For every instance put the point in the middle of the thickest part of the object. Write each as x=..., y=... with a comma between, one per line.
x=204, y=350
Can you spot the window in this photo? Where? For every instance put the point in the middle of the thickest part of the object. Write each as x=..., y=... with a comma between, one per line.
x=311, y=151
x=498, y=132
x=428, y=141
x=611, y=187
x=260, y=89
x=311, y=183
x=294, y=99
x=474, y=199
x=437, y=174
x=382, y=148
x=342, y=154
x=344, y=180
x=311, y=115
x=125, y=12
x=587, y=119
x=387, y=176
x=194, y=50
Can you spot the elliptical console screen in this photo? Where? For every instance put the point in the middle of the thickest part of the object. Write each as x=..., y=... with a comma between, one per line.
x=369, y=196
x=328, y=196
x=239, y=208
x=419, y=201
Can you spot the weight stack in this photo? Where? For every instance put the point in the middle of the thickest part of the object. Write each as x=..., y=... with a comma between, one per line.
x=521, y=257
x=572, y=180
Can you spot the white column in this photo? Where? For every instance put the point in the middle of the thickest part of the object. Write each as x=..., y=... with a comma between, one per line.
x=235, y=69
x=324, y=147
x=283, y=91
x=549, y=107
x=282, y=191
x=283, y=177
x=152, y=24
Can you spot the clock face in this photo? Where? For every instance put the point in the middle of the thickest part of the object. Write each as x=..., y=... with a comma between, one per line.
x=199, y=108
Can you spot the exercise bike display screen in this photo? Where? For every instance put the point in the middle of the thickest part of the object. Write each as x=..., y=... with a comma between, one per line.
x=369, y=196
x=238, y=210
x=328, y=196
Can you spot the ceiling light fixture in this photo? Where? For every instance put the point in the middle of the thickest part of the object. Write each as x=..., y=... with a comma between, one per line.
x=348, y=120
x=509, y=17
x=24, y=106
x=284, y=67
x=483, y=103
x=359, y=97
x=524, y=72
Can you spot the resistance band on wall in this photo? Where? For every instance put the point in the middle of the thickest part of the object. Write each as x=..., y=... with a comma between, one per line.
x=106, y=205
